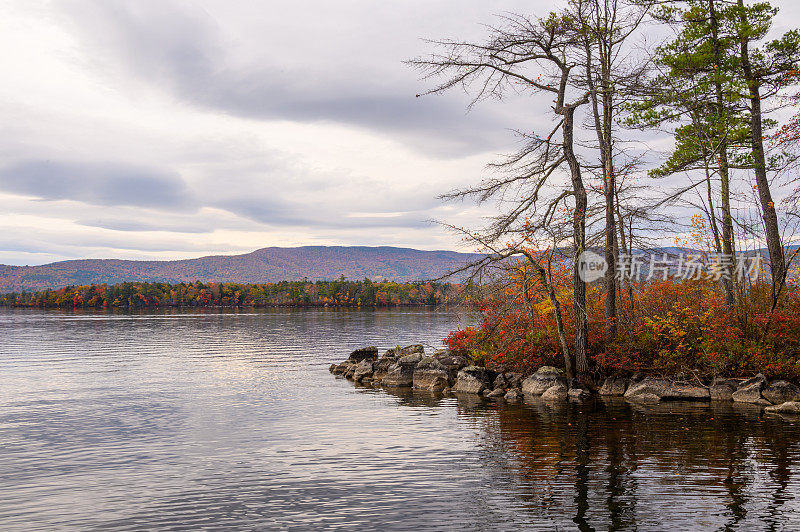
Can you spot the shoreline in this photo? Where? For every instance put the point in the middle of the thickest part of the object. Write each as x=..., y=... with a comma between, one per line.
x=442, y=372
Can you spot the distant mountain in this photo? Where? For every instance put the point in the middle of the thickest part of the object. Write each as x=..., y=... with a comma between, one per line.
x=261, y=266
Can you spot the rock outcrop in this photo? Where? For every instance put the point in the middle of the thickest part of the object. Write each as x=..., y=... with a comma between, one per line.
x=750, y=391
x=444, y=372
x=655, y=390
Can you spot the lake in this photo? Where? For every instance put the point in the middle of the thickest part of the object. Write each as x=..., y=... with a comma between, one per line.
x=185, y=420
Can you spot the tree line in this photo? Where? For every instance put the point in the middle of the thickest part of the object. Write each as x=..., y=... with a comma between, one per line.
x=341, y=292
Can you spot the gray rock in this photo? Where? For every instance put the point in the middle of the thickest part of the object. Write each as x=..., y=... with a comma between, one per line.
x=497, y=392
x=500, y=381
x=397, y=352
x=363, y=369
x=750, y=391
x=434, y=380
x=557, y=392
x=544, y=378
x=789, y=407
x=614, y=386
x=578, y=394
x=514, y=379
x=399, y=376
x=410, y=360
x=722, y=389
x=365, y=353
x=513, y=395
x=473, y=379
x=654, y=390
x=332, y=367
x=381, y=368
x=780, y=392
x=342, y=368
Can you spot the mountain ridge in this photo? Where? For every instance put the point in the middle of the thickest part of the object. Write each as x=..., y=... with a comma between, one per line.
x=263, y=265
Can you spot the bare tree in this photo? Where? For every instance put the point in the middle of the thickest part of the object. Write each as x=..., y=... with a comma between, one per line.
x=541, y=55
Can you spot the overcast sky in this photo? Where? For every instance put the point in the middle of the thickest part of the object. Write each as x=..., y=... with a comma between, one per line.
x=171, y=129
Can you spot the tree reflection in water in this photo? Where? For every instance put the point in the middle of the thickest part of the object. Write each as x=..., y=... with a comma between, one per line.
x=613, y=465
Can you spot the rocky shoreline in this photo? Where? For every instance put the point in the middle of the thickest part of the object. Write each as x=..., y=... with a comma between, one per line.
x=444, y=372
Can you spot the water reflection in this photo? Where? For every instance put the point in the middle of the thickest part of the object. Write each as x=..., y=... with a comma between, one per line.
x=188, y=420
x=609, y=464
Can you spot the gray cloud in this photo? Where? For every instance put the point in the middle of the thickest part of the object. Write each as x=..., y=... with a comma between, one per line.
x=97, y=183
x=181, y=50
x=120, y=224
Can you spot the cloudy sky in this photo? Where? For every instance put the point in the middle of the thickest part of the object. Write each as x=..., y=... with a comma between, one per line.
x=167, y=129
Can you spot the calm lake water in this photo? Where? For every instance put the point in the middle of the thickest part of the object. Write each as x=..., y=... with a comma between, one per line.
x=189, y=420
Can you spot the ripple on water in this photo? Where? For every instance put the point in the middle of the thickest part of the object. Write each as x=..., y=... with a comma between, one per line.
x=186, y=420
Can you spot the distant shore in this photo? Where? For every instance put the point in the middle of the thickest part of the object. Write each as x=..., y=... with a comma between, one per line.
x=306, y=294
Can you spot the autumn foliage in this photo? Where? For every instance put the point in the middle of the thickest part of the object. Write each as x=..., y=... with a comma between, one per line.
x=670, y=327
x=341, y=292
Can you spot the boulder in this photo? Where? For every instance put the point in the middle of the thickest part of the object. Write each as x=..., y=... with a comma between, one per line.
x=789, y=407
x=722, y=389
x=578, y=394
x=614, y=386
x=363, y=369
x=653, y=390
x=500, y=381
x=381, y=368
x=557, y=392
x=397, y=352
x=544, y=378
x=750, y=391
x=351, y=369
x=341, y=369
x=431, y=379
x=332, y=367
x=497, y=392
x=473, y=379
x=399, y=376
x=450, y=363
x=410, y=360
x=365, y=353
x=513, y=395
x=514, y=379
x=780, y=392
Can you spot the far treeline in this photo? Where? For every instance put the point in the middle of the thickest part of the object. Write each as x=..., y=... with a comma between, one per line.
x=640, y=122
x=340, y=293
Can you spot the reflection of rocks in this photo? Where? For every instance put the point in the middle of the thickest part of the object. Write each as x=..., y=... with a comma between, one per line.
x=789, y=407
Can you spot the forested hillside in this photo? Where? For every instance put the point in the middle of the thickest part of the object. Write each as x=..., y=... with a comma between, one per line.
x=267, y=265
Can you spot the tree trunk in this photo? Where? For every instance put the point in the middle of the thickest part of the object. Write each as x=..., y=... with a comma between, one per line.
x=728, y=247
x=776, y=259
x=579, y=236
